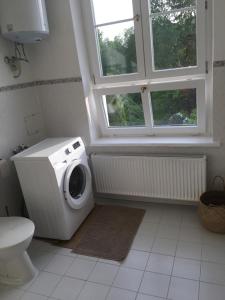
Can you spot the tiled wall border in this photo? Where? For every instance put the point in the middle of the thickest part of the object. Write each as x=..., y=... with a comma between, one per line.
x=19, y=86
x=13, y=87
x=219, y=63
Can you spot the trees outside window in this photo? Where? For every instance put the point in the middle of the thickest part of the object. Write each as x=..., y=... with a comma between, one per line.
x=171, y=30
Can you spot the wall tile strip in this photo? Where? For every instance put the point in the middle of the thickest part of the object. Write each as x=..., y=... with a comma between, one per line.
x=39, y=83
x=219, y=64
x=216, y=64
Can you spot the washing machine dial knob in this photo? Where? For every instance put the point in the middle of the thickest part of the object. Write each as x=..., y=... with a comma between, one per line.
x=68, y=151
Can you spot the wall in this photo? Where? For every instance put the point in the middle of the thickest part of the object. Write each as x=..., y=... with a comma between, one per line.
x=63, y=104
x=15, y=105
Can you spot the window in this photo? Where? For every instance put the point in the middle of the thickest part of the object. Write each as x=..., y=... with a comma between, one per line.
x=149, y=63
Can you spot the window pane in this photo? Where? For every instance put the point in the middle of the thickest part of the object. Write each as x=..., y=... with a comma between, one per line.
x=174, y=40
x=167, y=5
x=117, y=49
x=174, y=108
x=125, y=110
x=112, y=10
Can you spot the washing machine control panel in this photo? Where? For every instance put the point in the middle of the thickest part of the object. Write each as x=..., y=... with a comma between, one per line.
x=76, y=145
x=70, y=149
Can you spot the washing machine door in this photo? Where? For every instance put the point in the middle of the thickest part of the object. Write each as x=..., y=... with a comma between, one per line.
x=77, y=184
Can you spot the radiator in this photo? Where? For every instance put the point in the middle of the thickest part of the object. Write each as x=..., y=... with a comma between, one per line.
x=176, y=178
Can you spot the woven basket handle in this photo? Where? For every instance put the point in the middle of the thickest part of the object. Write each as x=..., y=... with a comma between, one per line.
x=221, y=180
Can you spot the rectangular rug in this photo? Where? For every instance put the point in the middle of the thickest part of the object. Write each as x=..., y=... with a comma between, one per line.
x=108, y=232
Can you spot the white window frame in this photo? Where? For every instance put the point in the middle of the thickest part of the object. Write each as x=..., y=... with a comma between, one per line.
x=200, y=44
x=94, y=51
x=149, y=129
x=152, y=80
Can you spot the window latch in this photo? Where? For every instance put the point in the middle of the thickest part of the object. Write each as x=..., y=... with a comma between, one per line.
x=143, y=89
x=137, y=18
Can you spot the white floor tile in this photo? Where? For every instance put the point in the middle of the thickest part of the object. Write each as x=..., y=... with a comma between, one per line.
x=183, y=289
x=189, y=250
x=190, y=234
x=93, y=291
x=168, y=232
x=158, y=233
x=66, y=252
x=40, y=259
x=103, y=273
x=45, y=284
x=213, y=254
x=164, y=246
x=109, y=261
x=91, y=258
x=191, y=219
x=147, y=297
x=153, y=215
x=136, y=260
x=31, y=296
x=48, y=247
x=148, y=228
x=211, y=292
x=143, y=243
x=173, y=219
x=81, y=268
x=59, y=264
x=129, y=279
x=186, y=268
x=119, y=294
x=160, y=263
x=68, y=289
x=155, y=284
x=213, y=239
x=213, y=273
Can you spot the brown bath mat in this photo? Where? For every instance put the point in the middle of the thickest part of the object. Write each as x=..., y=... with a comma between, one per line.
x=107, y=233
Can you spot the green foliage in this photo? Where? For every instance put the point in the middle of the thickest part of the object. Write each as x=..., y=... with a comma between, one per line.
x=167, y=5
x=125, y=110
x=176, y=107
x=174, y=41
x=118, y=56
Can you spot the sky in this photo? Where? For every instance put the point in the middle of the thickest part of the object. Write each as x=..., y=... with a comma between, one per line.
x=110, y=11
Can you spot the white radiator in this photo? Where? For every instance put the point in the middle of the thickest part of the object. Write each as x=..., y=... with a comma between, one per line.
x=178, y=178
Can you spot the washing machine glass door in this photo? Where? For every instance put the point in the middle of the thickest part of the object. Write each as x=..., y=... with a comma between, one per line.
x=77, y=184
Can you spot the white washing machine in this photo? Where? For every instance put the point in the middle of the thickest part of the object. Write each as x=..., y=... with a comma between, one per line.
x=56, y=182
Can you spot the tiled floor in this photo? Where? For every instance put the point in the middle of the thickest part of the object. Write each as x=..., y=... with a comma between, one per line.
x=172, y=257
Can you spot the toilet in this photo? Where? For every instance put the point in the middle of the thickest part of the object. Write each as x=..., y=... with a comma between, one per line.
x=16, y=234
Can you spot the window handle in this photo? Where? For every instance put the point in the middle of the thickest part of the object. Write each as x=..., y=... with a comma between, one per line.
x=143, y=89
x=137, y=18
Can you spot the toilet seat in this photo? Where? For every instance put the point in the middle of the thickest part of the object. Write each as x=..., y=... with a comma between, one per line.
x=14, y=230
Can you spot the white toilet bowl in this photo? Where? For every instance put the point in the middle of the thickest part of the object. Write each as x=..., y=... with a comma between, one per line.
x=15, y=236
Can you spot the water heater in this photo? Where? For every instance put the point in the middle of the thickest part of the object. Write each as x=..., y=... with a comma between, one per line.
x=24, y=21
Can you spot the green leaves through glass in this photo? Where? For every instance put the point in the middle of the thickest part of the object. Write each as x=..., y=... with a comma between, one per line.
x=168, y=5
x=174, y=107
x=174, y=40
x=124, y=110
x=117, y=48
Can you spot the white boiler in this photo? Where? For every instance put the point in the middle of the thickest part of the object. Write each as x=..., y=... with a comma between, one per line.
x=24, y=21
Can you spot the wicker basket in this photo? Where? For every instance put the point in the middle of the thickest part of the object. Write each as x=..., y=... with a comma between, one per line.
x=212, y=209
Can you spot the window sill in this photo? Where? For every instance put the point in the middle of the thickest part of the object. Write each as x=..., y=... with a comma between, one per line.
x=156, y=142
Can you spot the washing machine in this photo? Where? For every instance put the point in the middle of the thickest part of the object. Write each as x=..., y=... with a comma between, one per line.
x=56, y=183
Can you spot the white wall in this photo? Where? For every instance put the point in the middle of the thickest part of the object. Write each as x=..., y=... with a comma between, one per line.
x=14, y=107
x=219, y=35
x=63, y=104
